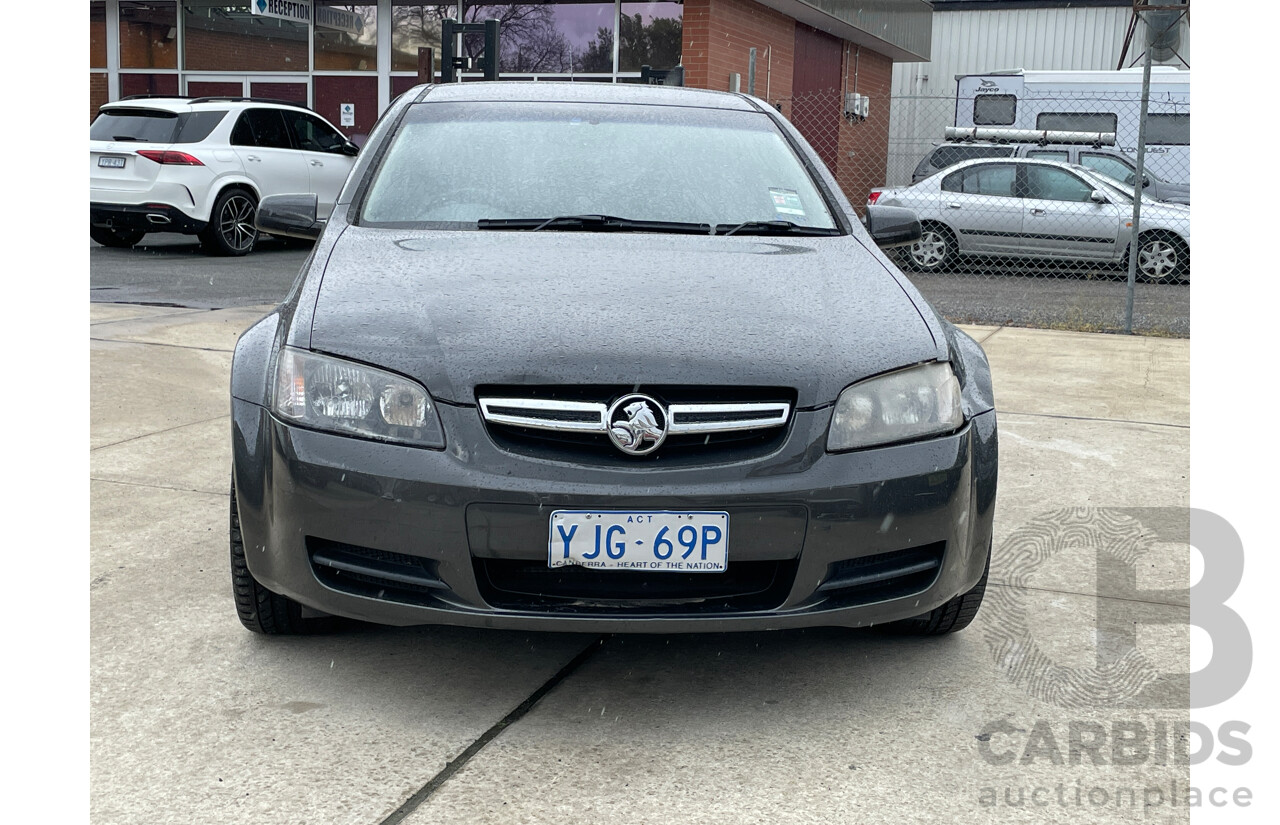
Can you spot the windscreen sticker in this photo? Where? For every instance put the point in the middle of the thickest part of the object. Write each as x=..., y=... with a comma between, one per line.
x=786, y=202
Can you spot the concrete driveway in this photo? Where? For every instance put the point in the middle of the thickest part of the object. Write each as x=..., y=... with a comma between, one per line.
x=195, y=720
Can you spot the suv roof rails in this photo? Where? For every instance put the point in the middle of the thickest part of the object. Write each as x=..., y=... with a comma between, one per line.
x=241, y=99
x=151, y=97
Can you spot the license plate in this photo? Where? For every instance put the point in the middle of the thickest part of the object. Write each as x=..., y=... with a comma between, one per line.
x=652, y=541
x=111, y=163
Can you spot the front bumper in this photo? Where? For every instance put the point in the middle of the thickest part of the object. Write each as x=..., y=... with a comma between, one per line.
x=473, y=508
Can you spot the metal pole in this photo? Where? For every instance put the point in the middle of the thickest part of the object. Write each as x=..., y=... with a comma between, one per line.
x=1137, y=191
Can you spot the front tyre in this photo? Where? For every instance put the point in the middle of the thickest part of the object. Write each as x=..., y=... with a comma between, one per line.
x=231, y=231
x=955, y=615
x=259, y=609
x=115, y=238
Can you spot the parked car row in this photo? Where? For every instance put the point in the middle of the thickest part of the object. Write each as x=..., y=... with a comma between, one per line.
x=201, y=166
x=1040, y=209
x=1102, y=160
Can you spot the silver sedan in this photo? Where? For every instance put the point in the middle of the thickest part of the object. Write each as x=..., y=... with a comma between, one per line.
x=1022, y=208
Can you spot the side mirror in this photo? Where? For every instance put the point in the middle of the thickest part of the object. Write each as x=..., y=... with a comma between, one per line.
x=1098, y=196
x=291, y=215
x=1146, y=181
x=891, y=226
x=349, y=148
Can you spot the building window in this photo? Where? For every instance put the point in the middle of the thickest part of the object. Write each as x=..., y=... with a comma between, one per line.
x=1076, y=122
x=346, y=36
x=650, y=35
x=228, y=37
x=548, y=38
x=148, y=35
x=414, y=26
x=995, y=110
x=1169, y=129
x=98, y=35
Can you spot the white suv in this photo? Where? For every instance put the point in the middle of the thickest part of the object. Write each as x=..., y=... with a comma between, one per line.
x=201, y=166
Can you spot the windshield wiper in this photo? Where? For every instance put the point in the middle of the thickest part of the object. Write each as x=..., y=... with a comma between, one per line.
x=593, y=223
x=123, y=138
x=772, y=228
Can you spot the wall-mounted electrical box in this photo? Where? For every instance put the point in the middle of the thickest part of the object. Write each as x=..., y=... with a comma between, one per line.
x=856, y=106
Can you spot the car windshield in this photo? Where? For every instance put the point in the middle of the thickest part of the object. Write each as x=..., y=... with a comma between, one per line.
x=452, y=165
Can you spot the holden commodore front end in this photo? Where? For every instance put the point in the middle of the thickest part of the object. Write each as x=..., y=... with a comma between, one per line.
x=678, y=402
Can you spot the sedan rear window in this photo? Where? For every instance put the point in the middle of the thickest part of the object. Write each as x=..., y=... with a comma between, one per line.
x=154, y=125
x=454, y=164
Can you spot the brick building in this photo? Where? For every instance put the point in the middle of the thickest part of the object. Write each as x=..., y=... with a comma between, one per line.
x=826, y=64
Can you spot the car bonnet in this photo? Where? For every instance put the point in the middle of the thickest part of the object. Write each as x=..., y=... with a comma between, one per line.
x=459, y=309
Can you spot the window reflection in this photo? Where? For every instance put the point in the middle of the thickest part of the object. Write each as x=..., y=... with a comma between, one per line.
x=414, y=26
x=650, y=35
x=98, y=35
x=148, y=35
x=346, y=35
x=227, y=37
x=548, y=37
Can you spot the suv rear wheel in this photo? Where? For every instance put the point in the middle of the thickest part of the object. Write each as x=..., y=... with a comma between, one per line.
x=117, y=238
x=231, y=230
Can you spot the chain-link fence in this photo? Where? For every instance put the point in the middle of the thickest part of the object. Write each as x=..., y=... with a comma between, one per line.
x=1019, y=230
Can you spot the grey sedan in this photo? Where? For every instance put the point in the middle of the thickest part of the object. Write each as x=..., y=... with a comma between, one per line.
x=648, y=373
x=1045, y=210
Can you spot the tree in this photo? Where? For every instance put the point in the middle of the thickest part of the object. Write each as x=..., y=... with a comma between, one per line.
x=656, y=44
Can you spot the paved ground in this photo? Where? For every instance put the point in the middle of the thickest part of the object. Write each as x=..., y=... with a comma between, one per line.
x=195, y=720
x=169, y=269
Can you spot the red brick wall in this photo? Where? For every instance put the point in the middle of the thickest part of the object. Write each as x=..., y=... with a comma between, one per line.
x=864, y=145
x=718, y=36
x=97, y=92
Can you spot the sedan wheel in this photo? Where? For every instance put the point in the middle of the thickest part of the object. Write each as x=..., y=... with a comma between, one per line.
x=1160, y=259
x=933, y=251
x=231, y=230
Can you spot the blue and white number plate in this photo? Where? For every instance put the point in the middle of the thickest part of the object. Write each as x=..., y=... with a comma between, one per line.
x=111, y=162
x=655, y=541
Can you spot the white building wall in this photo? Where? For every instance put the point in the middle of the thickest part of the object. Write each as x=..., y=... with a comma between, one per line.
x=977, y=42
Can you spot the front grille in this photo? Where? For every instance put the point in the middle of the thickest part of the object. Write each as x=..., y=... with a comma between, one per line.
x=883, y=576
x=701, y=423
x=530, y=585
x=378, y=574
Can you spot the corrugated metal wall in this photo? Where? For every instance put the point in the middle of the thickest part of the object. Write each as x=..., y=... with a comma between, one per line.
x=977, y=41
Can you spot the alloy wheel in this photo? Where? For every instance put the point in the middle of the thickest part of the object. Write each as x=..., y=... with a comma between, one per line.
x=235, y=223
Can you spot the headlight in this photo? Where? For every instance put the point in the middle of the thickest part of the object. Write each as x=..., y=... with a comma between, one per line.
x=339, y=396
x=899, y=406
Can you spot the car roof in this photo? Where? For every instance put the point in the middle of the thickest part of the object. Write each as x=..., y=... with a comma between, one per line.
x=568, y=92
x=180, y=105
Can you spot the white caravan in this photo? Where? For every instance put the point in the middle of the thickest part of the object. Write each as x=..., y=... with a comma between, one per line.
x=1088, y=101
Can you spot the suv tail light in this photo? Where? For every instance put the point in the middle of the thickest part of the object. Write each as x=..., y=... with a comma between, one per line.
x=167, y=156
x=874, y=196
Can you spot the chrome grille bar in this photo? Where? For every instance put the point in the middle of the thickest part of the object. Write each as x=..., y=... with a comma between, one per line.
x=590, y=416
x=723, y=418
x=542, y=414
